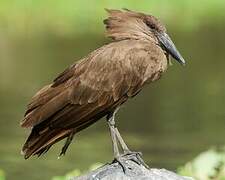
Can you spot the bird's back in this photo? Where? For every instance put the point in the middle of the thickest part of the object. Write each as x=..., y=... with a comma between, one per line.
x=89, y=90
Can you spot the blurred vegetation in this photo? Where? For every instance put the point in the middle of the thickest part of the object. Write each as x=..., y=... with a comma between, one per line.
x=2, y=175
x=26, y=17
x=77, y=172
x=209, y=165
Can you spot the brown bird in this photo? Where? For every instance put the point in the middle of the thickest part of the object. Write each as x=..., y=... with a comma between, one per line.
x=97, y=85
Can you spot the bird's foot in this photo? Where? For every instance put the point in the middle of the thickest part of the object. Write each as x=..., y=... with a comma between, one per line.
x=135, y=157
x=121, y=161
x=132, y=156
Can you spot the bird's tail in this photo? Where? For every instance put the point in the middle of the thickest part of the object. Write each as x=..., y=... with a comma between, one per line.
x=39, y=143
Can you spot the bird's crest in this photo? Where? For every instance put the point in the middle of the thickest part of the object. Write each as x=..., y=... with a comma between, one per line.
x=127, y=24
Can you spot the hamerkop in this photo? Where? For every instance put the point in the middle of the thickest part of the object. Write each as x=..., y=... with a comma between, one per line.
x=97, y=85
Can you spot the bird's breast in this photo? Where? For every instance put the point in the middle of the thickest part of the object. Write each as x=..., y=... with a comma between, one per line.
x=156, y=66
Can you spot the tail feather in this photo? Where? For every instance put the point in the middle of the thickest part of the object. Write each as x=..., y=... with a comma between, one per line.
x=64, y=124
x=39, y=144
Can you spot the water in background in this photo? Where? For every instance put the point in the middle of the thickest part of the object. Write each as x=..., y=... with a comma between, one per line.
x=170, y=121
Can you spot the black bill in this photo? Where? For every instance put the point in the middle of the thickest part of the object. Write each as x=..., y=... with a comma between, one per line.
x=170, y=47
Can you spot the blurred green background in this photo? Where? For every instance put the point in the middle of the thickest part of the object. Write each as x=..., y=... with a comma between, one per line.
x=171, y=121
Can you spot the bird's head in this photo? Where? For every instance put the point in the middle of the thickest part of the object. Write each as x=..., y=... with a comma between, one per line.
x=127, y=24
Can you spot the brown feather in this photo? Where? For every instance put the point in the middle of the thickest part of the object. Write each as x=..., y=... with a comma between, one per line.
x=95, y=86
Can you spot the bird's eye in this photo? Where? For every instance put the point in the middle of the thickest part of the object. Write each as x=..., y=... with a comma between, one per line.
x=151, y=25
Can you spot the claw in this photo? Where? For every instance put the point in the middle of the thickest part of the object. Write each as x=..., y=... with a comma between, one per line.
x=135, y=157
x=120, y=162
x=132, y=156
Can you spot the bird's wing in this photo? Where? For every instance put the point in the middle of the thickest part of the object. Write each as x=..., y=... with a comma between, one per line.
x=111, y=72
x=85, y=92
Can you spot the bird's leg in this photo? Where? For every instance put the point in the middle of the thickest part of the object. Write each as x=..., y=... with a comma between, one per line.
x=116, y=135
x=67, y=143
x=117, y=156
x=121, y=141
x=111, y=123
x=134, y=156
x=127, y=154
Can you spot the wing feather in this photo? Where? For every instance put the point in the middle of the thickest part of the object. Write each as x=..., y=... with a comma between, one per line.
x=87, y=91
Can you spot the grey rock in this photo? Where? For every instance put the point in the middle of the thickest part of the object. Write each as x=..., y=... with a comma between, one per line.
x=133, y=171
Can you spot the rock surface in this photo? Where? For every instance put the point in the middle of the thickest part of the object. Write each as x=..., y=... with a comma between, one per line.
x=133, y=171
